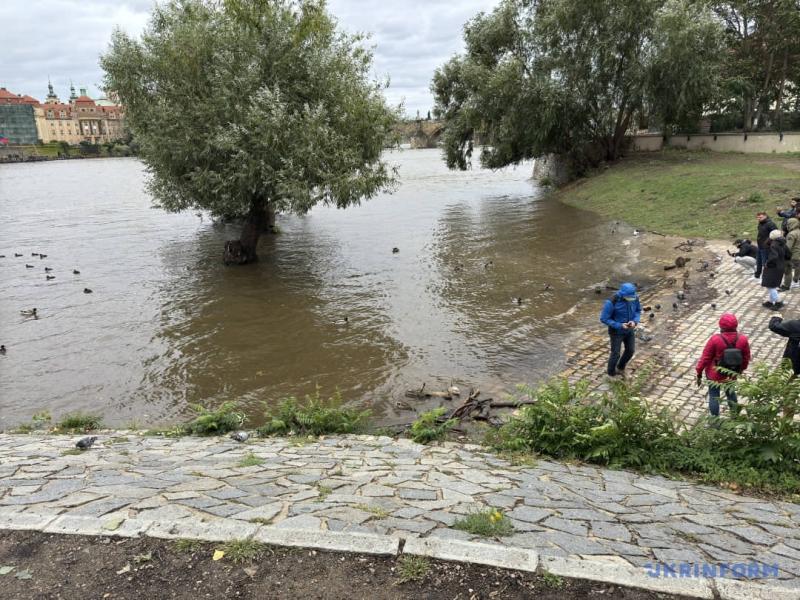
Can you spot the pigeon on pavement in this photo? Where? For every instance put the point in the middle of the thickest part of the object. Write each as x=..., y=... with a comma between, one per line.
x=240, y=436
x=86, y=443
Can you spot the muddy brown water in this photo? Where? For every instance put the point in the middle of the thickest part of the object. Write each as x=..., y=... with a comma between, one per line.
x=167, y=324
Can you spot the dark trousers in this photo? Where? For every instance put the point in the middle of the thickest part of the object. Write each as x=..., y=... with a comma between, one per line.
x=619, y=338
x=713, y=400
x=761, y=260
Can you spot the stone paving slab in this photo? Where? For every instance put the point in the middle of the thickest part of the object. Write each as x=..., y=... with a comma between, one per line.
x=196, y=488
x=680, y=335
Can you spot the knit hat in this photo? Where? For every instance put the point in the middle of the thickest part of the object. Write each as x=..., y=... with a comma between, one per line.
x=775, y=234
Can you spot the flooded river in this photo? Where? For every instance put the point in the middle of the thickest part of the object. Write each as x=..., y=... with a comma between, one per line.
x=328, y=305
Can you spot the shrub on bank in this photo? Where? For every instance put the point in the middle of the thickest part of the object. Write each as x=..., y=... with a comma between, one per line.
x=226, y=418
x=315, y=416
x=79, y=422
x=757, y=448
x=429, y=427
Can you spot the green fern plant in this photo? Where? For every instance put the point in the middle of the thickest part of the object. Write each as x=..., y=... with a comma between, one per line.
x=316, y=416
x=227, y=417
x=429, y=427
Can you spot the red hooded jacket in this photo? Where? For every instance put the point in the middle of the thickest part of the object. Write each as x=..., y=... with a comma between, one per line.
x=715, y=346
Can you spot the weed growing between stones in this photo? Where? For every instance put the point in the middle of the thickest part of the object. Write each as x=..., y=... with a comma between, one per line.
x=324, y=492
x=240, y=551
x=430, y=427
x=188, y=545
x=316, y=416
x=251, y=460
x=487, y=523
x=756, y=448
x=378, y=511
x=412, y=568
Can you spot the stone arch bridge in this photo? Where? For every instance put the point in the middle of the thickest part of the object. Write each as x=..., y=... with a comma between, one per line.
x=421, y=133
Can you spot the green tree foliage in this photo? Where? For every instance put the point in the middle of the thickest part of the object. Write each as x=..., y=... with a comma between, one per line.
x=241, y=107
x=568, y=76
x=762, y=67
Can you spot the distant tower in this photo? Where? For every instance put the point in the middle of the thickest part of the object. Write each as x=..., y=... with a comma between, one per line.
x=72, y=95
x=51, y=95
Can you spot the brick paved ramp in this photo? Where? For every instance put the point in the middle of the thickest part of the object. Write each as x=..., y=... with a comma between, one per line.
x=679, y=336
x=389, y=489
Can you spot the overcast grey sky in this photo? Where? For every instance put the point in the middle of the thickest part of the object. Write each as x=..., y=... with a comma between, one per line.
x=63, y=39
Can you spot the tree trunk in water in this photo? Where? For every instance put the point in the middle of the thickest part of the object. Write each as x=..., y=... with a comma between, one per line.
x=243, y=250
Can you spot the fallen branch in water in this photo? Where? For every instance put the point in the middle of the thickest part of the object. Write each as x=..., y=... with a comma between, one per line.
x=511, y=403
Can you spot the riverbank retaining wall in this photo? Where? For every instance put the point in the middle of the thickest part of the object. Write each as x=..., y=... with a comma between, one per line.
x=769, y=142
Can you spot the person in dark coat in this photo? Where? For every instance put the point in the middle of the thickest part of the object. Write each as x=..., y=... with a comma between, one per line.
x=765, y=226
x=774, y=268
x=788, y=329
x=746, y=254
x=728, y=337
x=621, y=314
x=787, y=214
x=744, y=248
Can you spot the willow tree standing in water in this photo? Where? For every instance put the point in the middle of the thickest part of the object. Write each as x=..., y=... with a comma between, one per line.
x=247, y=107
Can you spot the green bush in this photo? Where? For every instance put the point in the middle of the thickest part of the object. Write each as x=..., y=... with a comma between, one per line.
x=215, y=422
x=758, y=447
x=428, y=428
x=314, y=417
x=79, y=422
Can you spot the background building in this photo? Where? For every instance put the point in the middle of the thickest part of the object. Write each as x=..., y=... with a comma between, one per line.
x=17, y=122
x=24, y=120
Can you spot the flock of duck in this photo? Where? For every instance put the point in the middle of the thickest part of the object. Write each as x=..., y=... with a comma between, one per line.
x=33, y=312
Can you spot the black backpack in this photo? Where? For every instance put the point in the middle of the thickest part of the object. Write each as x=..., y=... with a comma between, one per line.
x=732, y=358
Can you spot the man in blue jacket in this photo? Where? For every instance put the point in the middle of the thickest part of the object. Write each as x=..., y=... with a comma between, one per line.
x=622, y=314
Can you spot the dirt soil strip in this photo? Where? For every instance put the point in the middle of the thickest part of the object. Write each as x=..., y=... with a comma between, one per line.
x=70, y=567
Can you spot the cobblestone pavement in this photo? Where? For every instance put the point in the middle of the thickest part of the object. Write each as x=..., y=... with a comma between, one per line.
x=129, y=484
x=680, y=335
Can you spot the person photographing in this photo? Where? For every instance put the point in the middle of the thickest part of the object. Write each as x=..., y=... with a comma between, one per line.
x=621, y=314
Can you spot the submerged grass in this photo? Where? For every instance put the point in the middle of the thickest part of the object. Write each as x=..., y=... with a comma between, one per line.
x=689, y=193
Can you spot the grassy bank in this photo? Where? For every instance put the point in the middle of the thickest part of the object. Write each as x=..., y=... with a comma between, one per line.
x=691, y=194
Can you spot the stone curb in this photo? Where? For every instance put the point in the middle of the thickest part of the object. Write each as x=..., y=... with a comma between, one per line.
x=596, y=570
x=362, y=543
x=519, y=559
x=735, y=589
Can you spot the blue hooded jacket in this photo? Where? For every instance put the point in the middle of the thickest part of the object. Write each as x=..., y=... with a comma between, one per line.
x=617, y=311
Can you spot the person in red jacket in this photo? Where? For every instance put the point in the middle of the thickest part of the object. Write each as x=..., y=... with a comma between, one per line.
x=727, y=339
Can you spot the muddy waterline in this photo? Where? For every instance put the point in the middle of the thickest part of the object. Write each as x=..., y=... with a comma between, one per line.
x=167, y=324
